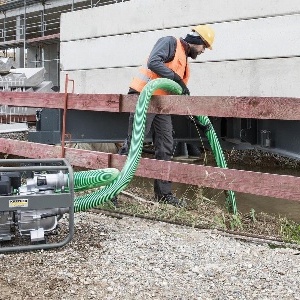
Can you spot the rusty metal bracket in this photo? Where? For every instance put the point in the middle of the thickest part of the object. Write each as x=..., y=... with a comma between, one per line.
x=64, y=120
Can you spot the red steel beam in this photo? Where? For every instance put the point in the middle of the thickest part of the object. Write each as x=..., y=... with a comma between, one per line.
x=257, y=183
x=47, y=38
x=55, y=36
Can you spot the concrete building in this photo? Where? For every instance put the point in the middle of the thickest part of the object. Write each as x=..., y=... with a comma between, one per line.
x=256, y=49
x=102, y=42
x=30, y=31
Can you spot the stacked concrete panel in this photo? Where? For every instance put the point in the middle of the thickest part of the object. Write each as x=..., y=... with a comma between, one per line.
x=5, y=64
x=256, y=50
x=22, y=77
x=20, y=80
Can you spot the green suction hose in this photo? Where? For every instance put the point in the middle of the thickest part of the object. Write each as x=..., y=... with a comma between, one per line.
x=219, y=157
x=85, y=180
x=123, y=179
x=110, y=191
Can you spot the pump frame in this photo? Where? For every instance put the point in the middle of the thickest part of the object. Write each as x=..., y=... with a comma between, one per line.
x=40, y=201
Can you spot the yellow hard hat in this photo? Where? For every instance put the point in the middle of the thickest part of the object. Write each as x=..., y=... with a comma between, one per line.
x=206, y=33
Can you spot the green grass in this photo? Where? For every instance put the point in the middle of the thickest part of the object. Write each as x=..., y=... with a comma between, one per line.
x=205, y=213
x=290, y=231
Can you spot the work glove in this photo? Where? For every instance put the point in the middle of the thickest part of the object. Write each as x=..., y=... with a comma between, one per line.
x=185, y=90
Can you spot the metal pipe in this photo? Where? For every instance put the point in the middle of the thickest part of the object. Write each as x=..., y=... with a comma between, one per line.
x=43, y=33
x=64, y=121
x=58, y=66
x=43, y=20
x=63, y=132
x=4, y=26
x=43, y=56
x=36, y=56
x=24, y=35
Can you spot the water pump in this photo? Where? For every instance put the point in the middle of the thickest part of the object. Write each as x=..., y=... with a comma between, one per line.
x=35, y=195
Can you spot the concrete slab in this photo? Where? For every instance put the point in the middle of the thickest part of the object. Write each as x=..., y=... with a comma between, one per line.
x=265, y=77
x=139, y=16
x=44, y=87
x=14, y=127
x=104, y=81
x=5, y=64
x=250, y=39
x=33, y=76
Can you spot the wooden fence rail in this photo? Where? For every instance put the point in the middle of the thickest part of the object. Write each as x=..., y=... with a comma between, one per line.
x=281, y=108
x=264, y=184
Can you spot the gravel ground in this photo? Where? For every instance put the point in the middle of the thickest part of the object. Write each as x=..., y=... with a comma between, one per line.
x=131, y=258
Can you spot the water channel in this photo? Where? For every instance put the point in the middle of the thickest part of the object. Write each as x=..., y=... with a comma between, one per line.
x=245, y=202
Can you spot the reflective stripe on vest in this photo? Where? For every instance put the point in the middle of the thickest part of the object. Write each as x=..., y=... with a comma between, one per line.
x=179, y=65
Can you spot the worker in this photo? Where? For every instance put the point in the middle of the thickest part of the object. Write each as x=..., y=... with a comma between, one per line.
x=168, y=59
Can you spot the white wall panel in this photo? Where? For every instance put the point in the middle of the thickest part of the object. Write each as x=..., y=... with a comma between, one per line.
x=250, y=39
x=100, y=81
x=103, y=46
x=141, y=15
x=265, y=77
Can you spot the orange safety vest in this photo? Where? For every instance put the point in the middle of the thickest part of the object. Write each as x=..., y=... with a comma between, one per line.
x=179, y=65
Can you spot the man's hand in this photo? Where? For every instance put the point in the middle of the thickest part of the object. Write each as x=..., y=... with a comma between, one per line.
x=185, y=90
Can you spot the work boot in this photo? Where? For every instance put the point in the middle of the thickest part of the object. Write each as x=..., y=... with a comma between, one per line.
x=170, y=199
x=193, y=150
x=124, y=150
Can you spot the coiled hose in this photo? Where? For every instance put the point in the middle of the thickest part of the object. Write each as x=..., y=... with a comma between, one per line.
x=111, y=190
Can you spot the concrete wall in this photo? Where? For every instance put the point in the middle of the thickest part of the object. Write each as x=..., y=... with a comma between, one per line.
x=256, y=50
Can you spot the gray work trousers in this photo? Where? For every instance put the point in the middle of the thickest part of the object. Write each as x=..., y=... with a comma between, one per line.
x=162, y=128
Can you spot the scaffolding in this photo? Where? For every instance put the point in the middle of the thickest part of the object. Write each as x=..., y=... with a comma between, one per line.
x=36, y=24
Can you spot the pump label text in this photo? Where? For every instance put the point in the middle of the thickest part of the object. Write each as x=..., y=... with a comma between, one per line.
x=18, y=203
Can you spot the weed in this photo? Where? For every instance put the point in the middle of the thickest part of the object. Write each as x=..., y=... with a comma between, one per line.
x=203, y=212
x=220, y=221
x=235, y=222
x=107, y=205
x=253, y=215
x=290, y=231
